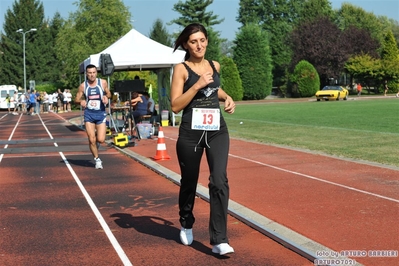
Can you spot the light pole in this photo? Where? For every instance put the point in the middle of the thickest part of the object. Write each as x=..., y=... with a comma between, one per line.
x=23, y=41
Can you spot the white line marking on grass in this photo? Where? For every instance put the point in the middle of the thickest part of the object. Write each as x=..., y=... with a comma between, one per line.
x=318, y=179
x=107, y=230
x=312, y=126
x=312, y=177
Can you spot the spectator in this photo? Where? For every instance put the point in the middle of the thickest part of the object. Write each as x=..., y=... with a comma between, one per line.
x=140, y=105
x=22, y=100
x=60, y=101
x=15, y=100
x=55, y=102
x=385, y=88
x=45, y=102
x=65, y=101
x=150, y=104
x=8, y=101
x=38, y=102
x=359, y=89
x=32, y=101
x=68, y=97
x=50, y=102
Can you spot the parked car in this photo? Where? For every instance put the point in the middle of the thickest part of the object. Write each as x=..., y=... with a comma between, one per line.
x=332, y=93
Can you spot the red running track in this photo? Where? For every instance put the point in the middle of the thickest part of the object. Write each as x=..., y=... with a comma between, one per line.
x=344, y=205
x=56, y=209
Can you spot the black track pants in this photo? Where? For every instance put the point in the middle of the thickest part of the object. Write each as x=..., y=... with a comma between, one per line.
x=190, y=147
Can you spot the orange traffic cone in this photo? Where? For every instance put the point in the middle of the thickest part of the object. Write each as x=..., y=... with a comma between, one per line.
x=161, y=147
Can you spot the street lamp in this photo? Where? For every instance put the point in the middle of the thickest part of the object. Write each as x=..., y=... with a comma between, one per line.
x=23, y=35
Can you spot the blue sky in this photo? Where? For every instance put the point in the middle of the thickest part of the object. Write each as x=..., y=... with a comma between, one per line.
x=145, y=12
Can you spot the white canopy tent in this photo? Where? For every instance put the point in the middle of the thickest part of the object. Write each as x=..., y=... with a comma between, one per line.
x=134, y=51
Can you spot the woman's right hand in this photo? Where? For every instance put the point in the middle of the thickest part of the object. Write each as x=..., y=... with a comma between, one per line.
x=205, y=79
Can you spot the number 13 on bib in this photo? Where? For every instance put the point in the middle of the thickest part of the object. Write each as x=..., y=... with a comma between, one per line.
x=206, y=119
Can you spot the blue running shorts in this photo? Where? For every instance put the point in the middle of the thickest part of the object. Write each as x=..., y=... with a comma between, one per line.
x=96, y=117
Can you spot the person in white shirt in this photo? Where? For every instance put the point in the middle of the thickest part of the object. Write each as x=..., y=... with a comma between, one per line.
x=16, y=103
x=151, y=103
x=45, y=102
x=22, y=100
x=55, y=102
x=65, y=100
x=68, y=100
x=50, y=102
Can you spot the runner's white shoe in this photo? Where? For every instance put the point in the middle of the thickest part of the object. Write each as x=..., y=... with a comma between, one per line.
x=186, y=236
x=99, y=163
x=222, y=249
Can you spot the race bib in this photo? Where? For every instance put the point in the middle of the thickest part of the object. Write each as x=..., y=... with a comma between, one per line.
x=94, y=105
x=205, y=119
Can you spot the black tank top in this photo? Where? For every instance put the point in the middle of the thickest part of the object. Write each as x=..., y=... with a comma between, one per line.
x=206, y=97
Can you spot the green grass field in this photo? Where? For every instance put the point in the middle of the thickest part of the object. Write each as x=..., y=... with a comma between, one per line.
x=358, y=129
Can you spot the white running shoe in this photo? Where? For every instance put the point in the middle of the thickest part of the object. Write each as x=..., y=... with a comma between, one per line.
x=222, y=249
x=99, y=163
x=186, y=236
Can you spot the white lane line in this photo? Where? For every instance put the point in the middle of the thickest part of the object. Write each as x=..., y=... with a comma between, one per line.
x=10, y=137
x=48, y=132
x=318, y=179
x=107, y=230
x=3, y=116
x=313, y=126
x=314, y=178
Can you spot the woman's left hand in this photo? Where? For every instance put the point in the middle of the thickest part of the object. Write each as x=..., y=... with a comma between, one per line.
x=229, y=105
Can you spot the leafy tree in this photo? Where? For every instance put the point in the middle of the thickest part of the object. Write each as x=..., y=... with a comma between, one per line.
x=278, y=19
x=370, y=69
x=363, y=67
x=92, y=28
x=306, y=78
x=55, y=25
x=313, y=9
x=312, y=40
x=25, y=14
x=192, y=11
x=390, y=50
x=349, y=15
x=230, y=78
x=160, y=34
x=393, y=25
x=253, y=58
x=213, y=48
x=356, y=41
x=390, y=61
x=49, y=67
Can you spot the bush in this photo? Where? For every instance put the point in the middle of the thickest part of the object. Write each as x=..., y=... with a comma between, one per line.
x=48, y=87
x=230, y=79
x=306, y=79
x=252, y=56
